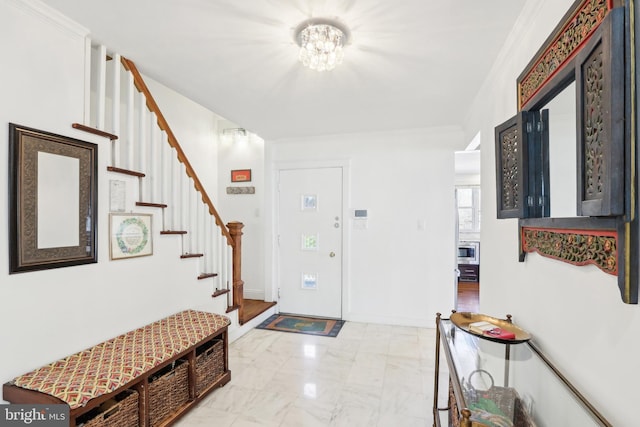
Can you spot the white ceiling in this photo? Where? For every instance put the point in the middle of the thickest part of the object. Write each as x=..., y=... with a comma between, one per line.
x=410, y=63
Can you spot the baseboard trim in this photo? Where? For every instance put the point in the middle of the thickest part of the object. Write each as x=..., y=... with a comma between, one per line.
x=391, y=320
x=253, y=294
x=241, y=330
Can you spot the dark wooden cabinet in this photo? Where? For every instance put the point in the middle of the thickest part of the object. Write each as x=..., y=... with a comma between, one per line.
x=469, y=272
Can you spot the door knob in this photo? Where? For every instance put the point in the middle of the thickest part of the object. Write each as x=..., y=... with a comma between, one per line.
x=332, y=254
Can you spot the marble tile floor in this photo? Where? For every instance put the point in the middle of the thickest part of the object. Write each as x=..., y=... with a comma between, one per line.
x=370, y=375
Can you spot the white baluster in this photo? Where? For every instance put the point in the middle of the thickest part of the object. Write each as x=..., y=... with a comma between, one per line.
x=115, y=128
x=207, y=238
x=170, y=199
x=211, y=241
x=101, y=87
x=143, y=125
x=199, y=229
x=196, y=207
x=227, y=281
x=87, y=82
x=175, y=180
x=189, y=215
x=154, y=142
x=217, y=253
x=184, y=197
x=165, y=176
x=131, y=112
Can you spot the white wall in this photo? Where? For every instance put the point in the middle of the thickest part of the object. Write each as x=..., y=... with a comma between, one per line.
x=245, y=153
x=574, y=313
x=397, y=273
x=49, y=314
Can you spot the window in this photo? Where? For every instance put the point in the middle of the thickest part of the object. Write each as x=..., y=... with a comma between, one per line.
x=468, y=209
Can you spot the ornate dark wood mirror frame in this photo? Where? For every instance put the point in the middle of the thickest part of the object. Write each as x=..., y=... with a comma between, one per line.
x=593, y=46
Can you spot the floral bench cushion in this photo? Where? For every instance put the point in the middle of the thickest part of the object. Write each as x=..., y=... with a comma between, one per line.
x=107, y=366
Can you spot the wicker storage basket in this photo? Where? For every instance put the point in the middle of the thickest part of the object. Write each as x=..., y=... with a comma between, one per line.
x=504, y=400
x=209, y=365
x=168, y=391
x=121, y=411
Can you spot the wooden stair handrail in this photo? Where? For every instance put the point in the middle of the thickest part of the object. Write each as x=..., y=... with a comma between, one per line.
x=162, y=122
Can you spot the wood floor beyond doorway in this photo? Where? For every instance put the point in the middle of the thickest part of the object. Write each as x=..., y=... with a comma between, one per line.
x=468, y=296
x=253, y=308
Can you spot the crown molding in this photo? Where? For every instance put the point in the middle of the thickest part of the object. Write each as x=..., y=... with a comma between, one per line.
x=47, y=13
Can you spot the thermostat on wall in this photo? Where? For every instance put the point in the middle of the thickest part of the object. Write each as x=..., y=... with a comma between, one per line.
x=360, y=219
x=360, y=213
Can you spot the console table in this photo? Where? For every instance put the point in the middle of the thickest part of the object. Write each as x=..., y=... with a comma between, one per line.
x=150, y=376
x=515, y=384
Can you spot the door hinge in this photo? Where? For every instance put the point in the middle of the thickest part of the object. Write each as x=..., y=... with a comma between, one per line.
x=529, y=127
x=278, y=293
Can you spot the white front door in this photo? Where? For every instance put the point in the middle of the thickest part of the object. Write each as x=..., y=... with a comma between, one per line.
x=310, y=241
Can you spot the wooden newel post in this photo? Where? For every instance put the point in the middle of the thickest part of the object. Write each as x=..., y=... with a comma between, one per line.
x=235, y=229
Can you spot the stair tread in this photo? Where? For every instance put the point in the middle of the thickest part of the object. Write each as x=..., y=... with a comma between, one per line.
x=232, y=308
x=173, y=232
x=191, y=255
x=151, y=205
x=94, y=131
x=219, y=292
x=125, y=171
x=207, y=275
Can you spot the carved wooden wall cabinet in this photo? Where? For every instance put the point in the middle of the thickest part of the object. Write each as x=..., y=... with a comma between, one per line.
x=589, y=59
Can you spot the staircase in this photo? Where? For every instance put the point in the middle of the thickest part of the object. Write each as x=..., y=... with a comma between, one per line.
x=143, y=146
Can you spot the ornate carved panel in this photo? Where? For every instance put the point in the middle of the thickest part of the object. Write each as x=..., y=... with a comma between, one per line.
x=511, y=182
x=578, y=247
x=600, y=120
x=510, y=153
x=592, y=111
x=561, y=47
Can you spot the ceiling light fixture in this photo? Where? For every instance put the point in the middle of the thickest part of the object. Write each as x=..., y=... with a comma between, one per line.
x=234, y=132
x=235, y=135
x=321, y=41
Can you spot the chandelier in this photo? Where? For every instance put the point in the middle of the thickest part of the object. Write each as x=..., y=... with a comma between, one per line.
x=321, y=42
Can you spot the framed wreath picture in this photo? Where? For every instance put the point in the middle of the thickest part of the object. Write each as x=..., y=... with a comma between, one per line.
x=130, y=235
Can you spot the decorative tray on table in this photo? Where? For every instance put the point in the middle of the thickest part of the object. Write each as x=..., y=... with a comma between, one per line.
x=506, y=328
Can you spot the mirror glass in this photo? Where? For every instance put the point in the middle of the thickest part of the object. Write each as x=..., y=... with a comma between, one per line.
x=562, y=188
x=58, y=200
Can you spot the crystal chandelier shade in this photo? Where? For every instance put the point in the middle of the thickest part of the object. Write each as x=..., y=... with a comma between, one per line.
x=321, y=45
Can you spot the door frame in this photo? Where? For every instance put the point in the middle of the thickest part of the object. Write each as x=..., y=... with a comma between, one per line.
x=345, y=165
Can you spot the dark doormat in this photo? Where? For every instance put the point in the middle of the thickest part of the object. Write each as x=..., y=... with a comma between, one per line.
x=302, y=325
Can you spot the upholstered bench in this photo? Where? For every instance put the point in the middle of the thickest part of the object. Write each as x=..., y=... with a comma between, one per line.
x=167, y=366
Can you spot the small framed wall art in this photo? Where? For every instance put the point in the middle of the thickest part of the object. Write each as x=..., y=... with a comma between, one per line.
x=130, y=235
x=241, y=175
